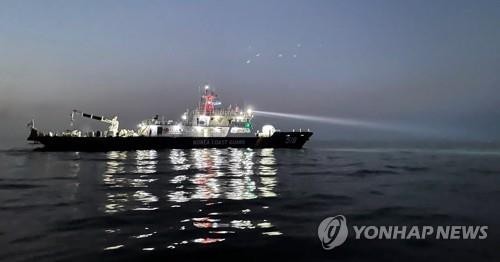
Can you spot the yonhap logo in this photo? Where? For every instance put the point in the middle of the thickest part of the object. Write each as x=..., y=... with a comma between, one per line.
x=332, y=231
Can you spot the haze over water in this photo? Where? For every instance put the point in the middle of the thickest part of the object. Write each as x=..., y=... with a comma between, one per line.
x=423, y=63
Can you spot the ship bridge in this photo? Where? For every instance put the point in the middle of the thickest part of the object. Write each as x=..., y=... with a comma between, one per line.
x=209, y=119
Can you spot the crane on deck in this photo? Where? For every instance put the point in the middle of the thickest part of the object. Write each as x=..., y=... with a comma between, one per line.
x=112, y=122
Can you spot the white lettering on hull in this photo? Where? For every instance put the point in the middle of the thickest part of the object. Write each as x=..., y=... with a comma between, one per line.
x=217, y=142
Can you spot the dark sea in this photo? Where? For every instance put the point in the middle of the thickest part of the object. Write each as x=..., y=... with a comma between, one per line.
x=246, y=204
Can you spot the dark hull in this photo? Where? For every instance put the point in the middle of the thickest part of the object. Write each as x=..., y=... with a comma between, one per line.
x=277, y=140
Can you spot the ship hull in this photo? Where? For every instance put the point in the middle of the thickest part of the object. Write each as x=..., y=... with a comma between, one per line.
x=66, y=143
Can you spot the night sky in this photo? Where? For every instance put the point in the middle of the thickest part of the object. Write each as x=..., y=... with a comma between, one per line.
x=425, y=64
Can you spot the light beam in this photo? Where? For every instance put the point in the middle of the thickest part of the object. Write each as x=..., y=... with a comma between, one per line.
x=354, y=123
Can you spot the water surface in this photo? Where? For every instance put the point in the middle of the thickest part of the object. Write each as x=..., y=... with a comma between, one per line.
x=243, y=204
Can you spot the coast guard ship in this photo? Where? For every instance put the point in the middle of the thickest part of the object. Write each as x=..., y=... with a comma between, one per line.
x=209, y=125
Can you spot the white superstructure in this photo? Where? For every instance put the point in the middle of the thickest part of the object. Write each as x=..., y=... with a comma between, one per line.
x=208, y=120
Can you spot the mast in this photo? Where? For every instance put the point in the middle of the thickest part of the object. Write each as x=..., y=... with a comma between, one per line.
x=208, y=101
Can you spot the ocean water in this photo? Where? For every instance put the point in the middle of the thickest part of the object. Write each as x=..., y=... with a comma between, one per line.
x=244, y=204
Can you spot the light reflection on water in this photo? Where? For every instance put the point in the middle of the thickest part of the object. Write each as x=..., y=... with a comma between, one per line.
x=193, y=180
x=190, y=204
